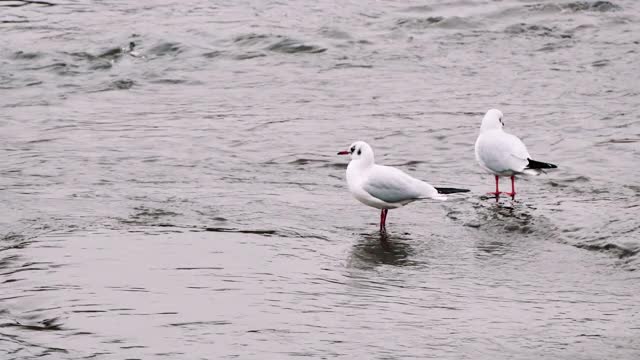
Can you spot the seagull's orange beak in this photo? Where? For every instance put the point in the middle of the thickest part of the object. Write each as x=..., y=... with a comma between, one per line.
x=343, y=153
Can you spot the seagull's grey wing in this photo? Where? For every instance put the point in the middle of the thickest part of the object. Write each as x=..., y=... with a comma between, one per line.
x=500, y=151
x=392, y=185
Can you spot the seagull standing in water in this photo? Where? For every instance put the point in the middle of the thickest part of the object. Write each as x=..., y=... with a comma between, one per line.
x=385, y=187
x=503, y=154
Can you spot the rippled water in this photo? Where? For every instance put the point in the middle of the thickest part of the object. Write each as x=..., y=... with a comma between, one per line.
x=187, y=203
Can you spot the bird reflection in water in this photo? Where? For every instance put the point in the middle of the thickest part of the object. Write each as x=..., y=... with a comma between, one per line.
x=377, y=248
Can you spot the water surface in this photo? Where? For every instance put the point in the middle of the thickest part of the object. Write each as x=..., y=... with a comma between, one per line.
x=187, y=202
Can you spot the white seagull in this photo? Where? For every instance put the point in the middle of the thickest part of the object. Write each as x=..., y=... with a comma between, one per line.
x=503, y=154
x=385, y=187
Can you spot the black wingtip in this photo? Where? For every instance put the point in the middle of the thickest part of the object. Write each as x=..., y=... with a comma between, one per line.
x=443, y=190
x=540, y=165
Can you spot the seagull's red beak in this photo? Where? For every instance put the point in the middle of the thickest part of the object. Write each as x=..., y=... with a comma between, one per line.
x=343, y=153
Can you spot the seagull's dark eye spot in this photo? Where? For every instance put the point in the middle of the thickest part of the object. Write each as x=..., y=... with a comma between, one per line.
x=359, y=151
x=353, y=148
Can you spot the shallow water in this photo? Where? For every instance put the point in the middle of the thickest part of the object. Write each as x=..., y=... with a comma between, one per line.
x=187, y=202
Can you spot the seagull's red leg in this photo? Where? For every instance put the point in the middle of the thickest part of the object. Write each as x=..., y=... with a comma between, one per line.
x=384, y=223
x=497, y=192
x=513, y=186
x=383, y=220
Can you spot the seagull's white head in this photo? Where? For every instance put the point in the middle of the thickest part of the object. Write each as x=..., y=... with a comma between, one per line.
x=359, y=150
x=492, y=120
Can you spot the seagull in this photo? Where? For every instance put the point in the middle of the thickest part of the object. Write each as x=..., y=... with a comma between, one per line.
x=385, y=187
x=503, y=154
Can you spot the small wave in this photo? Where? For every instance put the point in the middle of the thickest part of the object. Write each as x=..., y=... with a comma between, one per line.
x=82, y=55
x=410, y=163
x=213, y=54
x=105, y=59
x=43, y=325
x=268, y=123
x=170, y=81
x=111, y=53
x=538, y=30
x=562, y=44
x=200, y=323
x=189, y=268
x=291, y=46
x=249, y=56
x=611, y=248
x=144, y=214
x=544, y=8
x=338, y=166
x=22, y=55
x=418, y=8
x=304, y=161
x=419, y=22
x=562, y=183
x=242, y=231
x=165, y=48
x=57, y=66
x=592, y=6
x=600, y=63
x=635, y=188
x=580, y=178
x=601, y=6
x=251, y=39
x=335, y=34
x=350, y=66
x=619, y=141
x=454, y=22
x=13, y=21
x=197, y=228
x=100, y=64
x=121, y=84
x=19, y=3
x=276, y=43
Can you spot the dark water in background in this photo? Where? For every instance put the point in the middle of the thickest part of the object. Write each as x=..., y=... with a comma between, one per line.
x=187, y=203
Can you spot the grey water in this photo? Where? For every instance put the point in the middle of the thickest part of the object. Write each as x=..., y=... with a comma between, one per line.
x=185, y=200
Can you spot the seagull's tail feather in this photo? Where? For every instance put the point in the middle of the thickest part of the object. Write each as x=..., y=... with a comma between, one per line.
x=537, y=167
x=540, y=165
x=444, y=190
